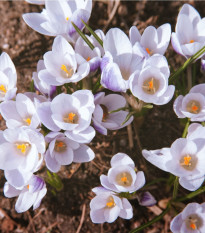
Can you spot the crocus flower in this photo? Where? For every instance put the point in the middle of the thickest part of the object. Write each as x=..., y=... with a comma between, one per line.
x=119, y=62
x=57, y=16
x=154, y=41
x=122, y=176
x=189, y=35
x=102, y=119
x=191, y=105
x=151, y=83
x=21, y=152
x=146, y=199
x=190, y=220
x=21, y=112
x=71, y=113
x=62, y=65
x=45, y=89
x=37, y=2
x=8, y=78
x=185, y=158
x=29, y=195
x=63, y=151
x=106, y=206
x=92, y=57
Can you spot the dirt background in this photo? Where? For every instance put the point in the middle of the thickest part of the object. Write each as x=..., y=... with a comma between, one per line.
x=68, y=210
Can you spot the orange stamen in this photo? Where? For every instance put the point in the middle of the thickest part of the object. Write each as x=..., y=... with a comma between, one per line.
x=194, y=108
x=71, y=116
x=27, y=186
x=88, y=59
x=191, y=41
x=124, y=179
x=151, y=84
x=193, y=226
x=148, y=51
x=60, y=144
x=187, y=160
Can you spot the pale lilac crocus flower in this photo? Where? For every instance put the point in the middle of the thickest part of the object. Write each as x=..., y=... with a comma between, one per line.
x=191, y=105
x=57, y=16
x=120, y=61
x=71, y=113
x=8, y=78
x=150, y=84
x=45, y=89
x=190, y=220
x=122, y=176
x=29, y=195
x=189, y=35
x=63, y=151
x=185, y=158
x=153, y=41
x=62, y=65
x=102, y=119
x=106, y=206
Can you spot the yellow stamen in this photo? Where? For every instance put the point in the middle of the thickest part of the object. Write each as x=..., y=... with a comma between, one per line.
x=88, y=59
x=71, y=118
x=124, y=179
x=28, y=121
x=67, y=18
x=3, y=89
x=193, y=226
x=187, y=160
x=69, y=72
x=22, y=147
x=191, y=41
x=148, y=51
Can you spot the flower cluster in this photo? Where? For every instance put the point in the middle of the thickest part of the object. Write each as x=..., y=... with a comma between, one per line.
x=109, y=202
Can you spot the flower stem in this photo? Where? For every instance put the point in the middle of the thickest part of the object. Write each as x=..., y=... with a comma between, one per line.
x=189, y=77
x=186, y=128
x=176, y=185
x=156, y=219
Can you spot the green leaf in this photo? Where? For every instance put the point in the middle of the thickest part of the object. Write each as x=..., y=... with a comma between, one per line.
x=93, y=33
x=83, y=36
x=128, y=117
x=149, y=106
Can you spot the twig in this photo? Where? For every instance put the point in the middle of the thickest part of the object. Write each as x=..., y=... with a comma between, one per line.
x=82, y=218
x=130, y=137
x=50, y=227
x=6, y=216
x=40, y=211
x=117, y=2
x=31, y=222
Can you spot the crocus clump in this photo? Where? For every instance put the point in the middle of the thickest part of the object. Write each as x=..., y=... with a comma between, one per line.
x=190, y=220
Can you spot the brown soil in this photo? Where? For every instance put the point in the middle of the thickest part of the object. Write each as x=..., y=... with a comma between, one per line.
x=65, y=211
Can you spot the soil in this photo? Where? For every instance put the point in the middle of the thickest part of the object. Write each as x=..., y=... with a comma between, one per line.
x=67, y=211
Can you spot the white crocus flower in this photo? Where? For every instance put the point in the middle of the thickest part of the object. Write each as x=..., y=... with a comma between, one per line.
x=102, y=119
x=154, y=41
x=71, y=113
x=106, y=206
x=185, y=158
x=29, y=195
x=21, y=152
x=122, y=176
x=21, y=112
x=63, y=151
x=8, y=78
x=119, y=62
x=190, y=220
x=46, y=89
x=62, y=65
x=92, y=57
x=151, y=83
x=189, y=37
x=191, y=105
x=57, y=16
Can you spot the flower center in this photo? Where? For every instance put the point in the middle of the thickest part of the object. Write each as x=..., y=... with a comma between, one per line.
x=193, y=222
x=23, y=148
x=3, y=89
x=124, y=179
x=60, y=146
x=71, y=118
x=110, y=202
x=193, y=107
x=188, y=162
x=150, y=86
x=28, y=120
x=191, y=41
x=88, y=59
x=105, y=112
x=66, y=71
x=67, y=18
